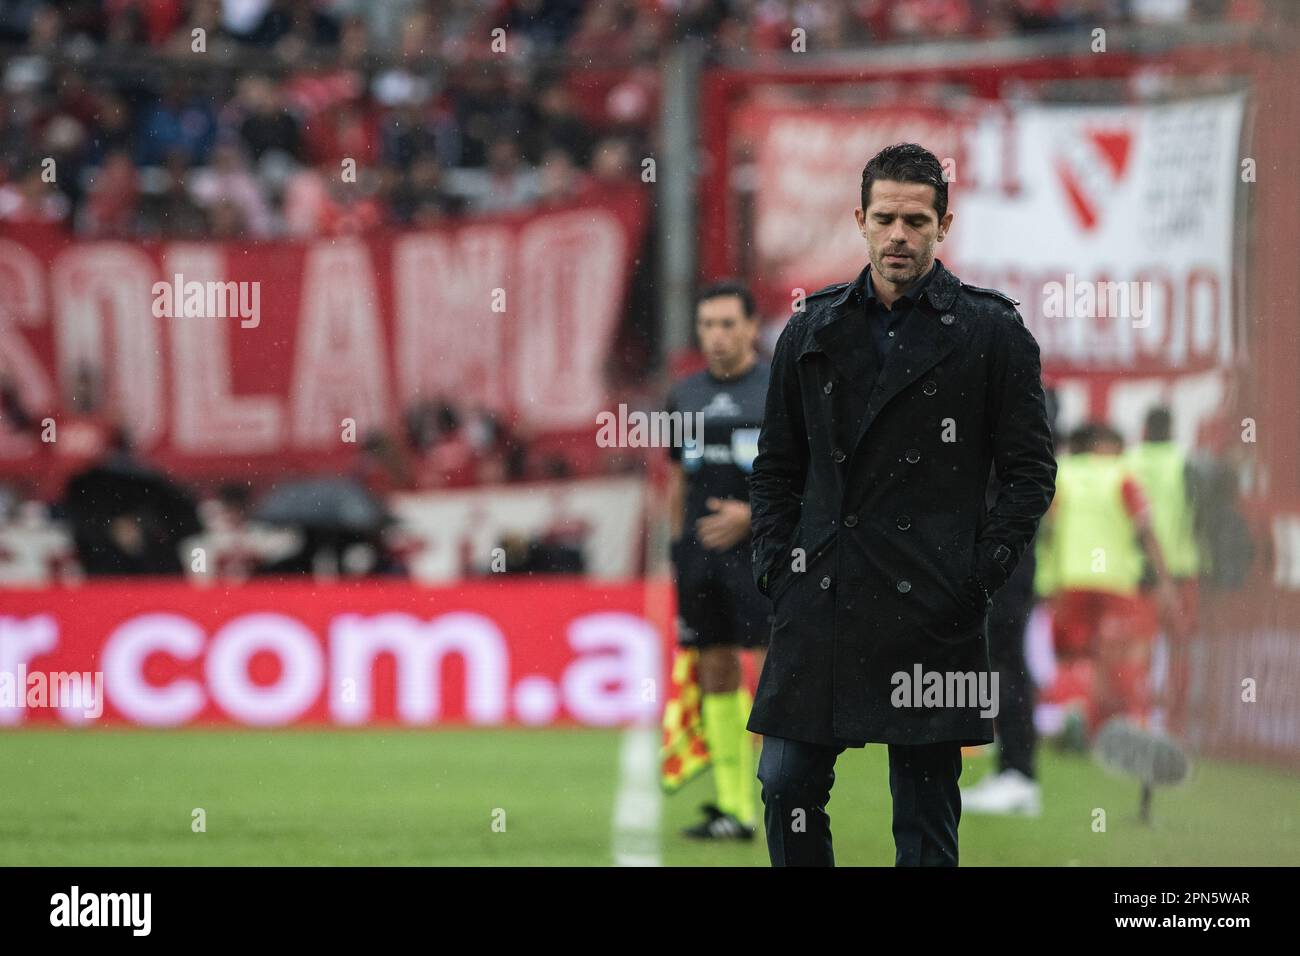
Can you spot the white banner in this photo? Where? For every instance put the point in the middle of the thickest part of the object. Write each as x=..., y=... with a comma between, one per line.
x=1111, y=194
x=460, y=529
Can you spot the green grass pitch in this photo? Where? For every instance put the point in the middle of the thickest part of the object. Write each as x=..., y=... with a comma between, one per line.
x=408, y=797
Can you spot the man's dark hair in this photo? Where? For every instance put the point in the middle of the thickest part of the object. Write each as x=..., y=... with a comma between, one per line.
x=1159, y=424
x=1093, y=435
x=717, y=290
x=907, y=163
x=1081, y=439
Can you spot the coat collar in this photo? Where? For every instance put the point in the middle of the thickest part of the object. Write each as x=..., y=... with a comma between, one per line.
x=924, y=340
x=940, y=291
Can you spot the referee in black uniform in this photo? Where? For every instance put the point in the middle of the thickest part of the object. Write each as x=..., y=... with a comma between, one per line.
x=720, y=610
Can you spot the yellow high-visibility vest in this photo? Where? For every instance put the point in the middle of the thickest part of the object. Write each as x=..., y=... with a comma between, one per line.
x=1094, y=542
x=1160, y=467
x=1046, y=579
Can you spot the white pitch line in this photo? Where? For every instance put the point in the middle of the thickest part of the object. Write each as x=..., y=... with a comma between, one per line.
x=638, y=801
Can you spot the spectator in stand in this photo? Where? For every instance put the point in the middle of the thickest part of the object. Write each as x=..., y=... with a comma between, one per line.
x=381, y=465
x=181, y=122
x=110, y=209
x=227, y=188
x=28, y=199
x=546, y=24
x=560, y=180
x=294, y=24
x=553, y=122
x=622, y=30
x=206, y=15
x=449, y=460
x=63, y=140
x=419, y=198
x=505, y=185
x=113, y=130
x=267, y=125
x=321, y=202
x=170, y=210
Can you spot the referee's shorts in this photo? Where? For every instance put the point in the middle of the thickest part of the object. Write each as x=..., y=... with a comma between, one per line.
x=718, y=604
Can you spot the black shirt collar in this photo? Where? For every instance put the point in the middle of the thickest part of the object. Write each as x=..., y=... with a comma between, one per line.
x=911, y=295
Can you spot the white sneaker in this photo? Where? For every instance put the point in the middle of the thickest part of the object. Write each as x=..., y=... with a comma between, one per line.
x=1006, y=793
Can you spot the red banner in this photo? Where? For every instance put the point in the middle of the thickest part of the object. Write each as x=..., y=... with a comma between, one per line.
x=284, y=354
x=489, y=654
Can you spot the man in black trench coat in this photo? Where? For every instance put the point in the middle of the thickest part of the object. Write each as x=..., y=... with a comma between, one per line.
x=891, y=398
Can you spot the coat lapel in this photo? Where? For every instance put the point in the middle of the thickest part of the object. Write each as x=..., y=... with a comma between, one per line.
x=924, y=341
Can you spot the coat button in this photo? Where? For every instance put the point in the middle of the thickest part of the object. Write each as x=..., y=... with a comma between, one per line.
x=850, y=521
x=838, y=456
x=826, y=583
x=903, y=522
x=947, y=318
x=912, y=456
x=929, y=388
x=827, y=387
x=904, y=587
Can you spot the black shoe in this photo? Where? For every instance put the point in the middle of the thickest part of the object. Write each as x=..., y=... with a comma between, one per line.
x=718, y=826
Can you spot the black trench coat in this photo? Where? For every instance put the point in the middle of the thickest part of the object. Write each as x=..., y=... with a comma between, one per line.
x=883, y=489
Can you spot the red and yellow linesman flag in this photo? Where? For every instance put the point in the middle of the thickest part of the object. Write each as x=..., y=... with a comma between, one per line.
x=683, y=753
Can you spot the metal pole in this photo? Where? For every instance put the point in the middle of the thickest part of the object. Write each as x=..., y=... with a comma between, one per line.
x=675, y=175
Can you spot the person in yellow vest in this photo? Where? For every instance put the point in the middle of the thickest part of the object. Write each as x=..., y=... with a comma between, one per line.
x=1098, y=532
x=1160, y=467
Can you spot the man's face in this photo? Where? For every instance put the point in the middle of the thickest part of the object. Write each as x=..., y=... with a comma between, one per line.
x=901, y=229
x=727, y=337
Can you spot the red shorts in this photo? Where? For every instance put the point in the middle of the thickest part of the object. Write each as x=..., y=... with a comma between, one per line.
x=1082, y=619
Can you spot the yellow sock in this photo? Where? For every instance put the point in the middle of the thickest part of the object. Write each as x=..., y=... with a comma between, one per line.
x=722, y=730
x=745, y=806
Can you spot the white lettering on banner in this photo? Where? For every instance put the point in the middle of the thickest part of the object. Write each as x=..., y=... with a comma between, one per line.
x=604, y=686
x=1112, y=194
x=124, y=656
x=21, y=639
x=353, y=329
x=1185, y=319
x=442, y=286
x=418, y=648
x=339, y=367
x=29, y=379
x=300, y=665
x=614, y=654
x=105, y=322
x=22, y=304
x=570, y=288
x=209, y=418
x=22, y=284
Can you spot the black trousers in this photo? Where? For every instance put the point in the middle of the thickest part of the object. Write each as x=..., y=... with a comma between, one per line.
x=1007, y=621
x=797, y=778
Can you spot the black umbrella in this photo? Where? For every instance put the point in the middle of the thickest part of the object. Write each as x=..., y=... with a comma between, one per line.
x=324, y=504
x=165, y=514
